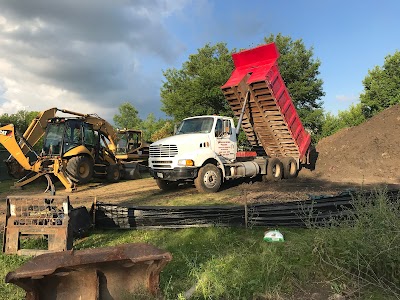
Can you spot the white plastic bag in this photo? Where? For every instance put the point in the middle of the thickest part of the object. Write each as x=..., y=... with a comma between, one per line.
x=273, y=236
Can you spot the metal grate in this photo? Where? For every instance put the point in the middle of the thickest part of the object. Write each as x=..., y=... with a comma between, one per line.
x=37, y=215
x=38, y=211
x=163, y=150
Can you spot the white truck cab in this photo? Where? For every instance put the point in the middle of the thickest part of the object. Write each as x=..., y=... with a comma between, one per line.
x=201, y=144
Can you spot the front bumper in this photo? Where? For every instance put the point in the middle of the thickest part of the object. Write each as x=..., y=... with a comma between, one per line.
x=175, y=174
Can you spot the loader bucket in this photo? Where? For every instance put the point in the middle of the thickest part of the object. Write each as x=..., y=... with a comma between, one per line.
x=120, y=272
x=131, y=170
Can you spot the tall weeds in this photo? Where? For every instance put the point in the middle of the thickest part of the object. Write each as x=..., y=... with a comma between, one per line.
x=365, y=247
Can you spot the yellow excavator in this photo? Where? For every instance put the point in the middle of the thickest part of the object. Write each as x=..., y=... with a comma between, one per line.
x=75, y=149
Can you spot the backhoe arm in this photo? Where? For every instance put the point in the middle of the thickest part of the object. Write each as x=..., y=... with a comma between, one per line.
x=105, y=128
x=7, y=139
x=37, y=128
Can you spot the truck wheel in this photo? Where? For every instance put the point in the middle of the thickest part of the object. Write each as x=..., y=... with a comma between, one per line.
x=289, y=167
x=113, y=173
x=80, y=169
x=166, y=185
x=208, y=179
x=274, y=169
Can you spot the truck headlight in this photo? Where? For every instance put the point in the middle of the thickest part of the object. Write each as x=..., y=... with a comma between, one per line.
x=186, y=162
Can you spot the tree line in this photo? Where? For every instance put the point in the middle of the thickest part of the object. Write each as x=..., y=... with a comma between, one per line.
x=194, y=89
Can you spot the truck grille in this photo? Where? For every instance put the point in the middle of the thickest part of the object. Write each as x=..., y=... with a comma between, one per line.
x=163, y=150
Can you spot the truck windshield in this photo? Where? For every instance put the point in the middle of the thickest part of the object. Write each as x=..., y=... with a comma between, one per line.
x=196, y=125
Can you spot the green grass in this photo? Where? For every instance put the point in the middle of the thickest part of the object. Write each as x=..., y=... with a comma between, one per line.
x=356, y=258
x=9, y=263
x=7, y=185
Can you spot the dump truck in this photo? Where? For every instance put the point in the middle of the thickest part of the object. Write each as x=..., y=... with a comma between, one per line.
x=204, y=149
x=75, y=149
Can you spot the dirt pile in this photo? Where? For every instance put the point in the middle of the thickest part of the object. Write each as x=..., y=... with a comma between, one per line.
x=368, y=153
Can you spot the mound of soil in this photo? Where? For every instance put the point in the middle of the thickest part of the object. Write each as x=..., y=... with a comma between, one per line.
x=368, y=153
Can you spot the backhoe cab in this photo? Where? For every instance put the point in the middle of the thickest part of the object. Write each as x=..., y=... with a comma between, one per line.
x=131, y=146
x=85, y=151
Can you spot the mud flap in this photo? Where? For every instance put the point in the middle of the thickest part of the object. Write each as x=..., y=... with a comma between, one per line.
x=120, y=272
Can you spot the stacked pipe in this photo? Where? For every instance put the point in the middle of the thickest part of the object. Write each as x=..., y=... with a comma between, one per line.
x=315, y=211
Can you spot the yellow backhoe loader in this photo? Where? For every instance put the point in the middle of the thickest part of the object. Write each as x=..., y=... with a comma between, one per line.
x=75, y=149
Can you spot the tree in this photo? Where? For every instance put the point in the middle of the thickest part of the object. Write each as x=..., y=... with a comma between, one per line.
x=381, y=86
x=20, y=119
x=300, y=72
x=128, y=117
x=166, y=130
x=195, y=89
x=347, y=118
x=151, y=125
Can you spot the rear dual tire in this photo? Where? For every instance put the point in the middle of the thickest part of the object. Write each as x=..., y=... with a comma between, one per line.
x=281, y=168
x=274, y=170
x=290, y=169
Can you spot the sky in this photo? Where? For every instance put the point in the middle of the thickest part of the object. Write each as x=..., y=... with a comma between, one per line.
x=93, y=55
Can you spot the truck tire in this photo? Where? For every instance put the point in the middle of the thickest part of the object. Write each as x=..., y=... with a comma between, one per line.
x=166, y=185
x=208, y=179
x=113, y=173
x=274, y=169
x=80, y=169
x=290, y=169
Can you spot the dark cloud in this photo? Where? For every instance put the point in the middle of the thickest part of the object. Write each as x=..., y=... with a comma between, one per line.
x=93, y=49
x=137, y=24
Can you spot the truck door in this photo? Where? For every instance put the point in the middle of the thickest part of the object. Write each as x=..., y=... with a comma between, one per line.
x=225, y=146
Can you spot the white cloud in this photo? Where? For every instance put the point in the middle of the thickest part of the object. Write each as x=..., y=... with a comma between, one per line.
x=347, y=98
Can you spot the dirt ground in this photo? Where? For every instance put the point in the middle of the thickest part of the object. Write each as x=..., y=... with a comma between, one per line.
x=369, y=152
x=364, y=156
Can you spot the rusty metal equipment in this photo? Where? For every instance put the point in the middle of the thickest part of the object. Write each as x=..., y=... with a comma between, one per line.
x=38, y=215
x=119, y=272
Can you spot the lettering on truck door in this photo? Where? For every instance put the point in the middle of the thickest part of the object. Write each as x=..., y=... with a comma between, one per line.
x=225, y=144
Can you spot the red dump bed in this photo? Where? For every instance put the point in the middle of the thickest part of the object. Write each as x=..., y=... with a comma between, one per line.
x=270, y=120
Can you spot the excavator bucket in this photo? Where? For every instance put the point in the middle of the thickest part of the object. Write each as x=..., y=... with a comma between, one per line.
x=270, y=120
x=126, y=271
